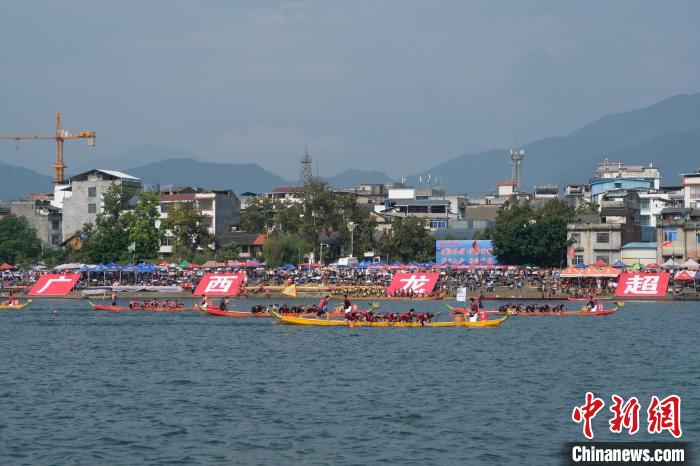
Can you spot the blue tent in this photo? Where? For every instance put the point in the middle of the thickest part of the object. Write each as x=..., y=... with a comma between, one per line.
x=288, y=267
x=397, y=264
x=145, y=268
x=112, y=267
x=129, y=268
x=414, y=264
x=362, y=265
x=580, y=266
x=620, y=265
x=98, y=268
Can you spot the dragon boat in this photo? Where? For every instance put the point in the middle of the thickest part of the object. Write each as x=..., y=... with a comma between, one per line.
x=582, y=312
x=16, y=306
x=102, y=307
x=344, y=323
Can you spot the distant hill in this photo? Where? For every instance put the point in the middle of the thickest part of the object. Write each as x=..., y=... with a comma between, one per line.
x=198, y=174
x=664, y=133
x=352, y=177
x=17, y=182
x=136, y=157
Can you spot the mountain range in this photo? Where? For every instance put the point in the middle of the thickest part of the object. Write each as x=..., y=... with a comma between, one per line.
x=666, y=133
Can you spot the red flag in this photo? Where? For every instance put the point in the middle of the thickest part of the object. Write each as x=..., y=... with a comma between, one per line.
x=475, y=245
x=571, y=252
x=666, y=244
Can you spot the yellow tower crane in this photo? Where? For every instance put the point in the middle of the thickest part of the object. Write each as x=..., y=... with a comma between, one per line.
x=60, y=136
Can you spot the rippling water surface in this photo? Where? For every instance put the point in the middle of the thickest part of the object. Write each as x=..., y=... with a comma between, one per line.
x=85, y=387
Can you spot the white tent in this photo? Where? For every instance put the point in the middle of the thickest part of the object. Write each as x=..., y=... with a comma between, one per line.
x=68, y=267
x=670, y=264
x=690, y=263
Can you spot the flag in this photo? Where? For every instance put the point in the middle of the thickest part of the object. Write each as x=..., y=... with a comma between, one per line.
x=290, y=290
x=132, y=247
x=475, y=245
x=666, y=244
x=571, y=252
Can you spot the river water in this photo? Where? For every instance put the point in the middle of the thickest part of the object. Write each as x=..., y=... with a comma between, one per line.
x=86, y=387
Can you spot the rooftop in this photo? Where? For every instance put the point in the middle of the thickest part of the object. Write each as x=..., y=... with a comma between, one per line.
x=639, y=245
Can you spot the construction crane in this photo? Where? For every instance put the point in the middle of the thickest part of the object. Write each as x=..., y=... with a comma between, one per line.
x=60, y=136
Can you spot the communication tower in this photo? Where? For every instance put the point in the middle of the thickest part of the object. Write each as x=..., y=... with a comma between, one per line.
x=305, y=173
x=516, y=162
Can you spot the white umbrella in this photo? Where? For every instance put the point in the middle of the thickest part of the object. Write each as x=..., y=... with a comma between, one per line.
x=670, y=264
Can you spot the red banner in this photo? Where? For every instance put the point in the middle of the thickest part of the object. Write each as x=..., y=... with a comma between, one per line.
x=418, y=283
x=642, y=284
x=54, y=284
x=214, y=284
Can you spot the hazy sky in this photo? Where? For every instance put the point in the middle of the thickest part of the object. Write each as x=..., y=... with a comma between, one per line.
x=397, y=86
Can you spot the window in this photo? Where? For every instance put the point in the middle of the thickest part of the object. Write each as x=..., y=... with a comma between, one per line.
x=644, y=204
x=165, y=241
x=694, y=192
x=644, y=220
x=55, y=240
x=602, y=238
x=618, y=185
x=437, y=223
x=438, y=209
x=697, y=238
x=92, y=208
x=163, y=208
x=92, y=191
x=670, y=234
x=54, y=225
x=578, y=259
x=575, y=238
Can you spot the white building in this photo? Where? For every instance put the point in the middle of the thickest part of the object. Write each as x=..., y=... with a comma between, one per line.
x=615, y=170
x=691, y=189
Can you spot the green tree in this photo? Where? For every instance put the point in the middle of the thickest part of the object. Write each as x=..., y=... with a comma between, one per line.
x=259, y=216
x=587, y=208
x=282, y=249
x=188, y=227
x=18, y=241
x=141, y=224
x=229, y=252
x=108, y=239
x=409, y=240
x=523, y=234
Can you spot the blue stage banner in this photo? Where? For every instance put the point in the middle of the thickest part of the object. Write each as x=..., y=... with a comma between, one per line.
x=464, y=252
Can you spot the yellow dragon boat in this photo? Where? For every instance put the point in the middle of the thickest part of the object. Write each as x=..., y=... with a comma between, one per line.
x=15, y=306
x=344, y=323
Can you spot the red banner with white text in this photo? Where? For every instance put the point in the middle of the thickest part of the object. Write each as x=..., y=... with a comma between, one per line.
x=413, y=283
x=54, y=284
x=214, y=284
x=630, y=285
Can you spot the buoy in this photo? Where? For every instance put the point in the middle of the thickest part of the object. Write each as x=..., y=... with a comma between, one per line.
x=55, y=312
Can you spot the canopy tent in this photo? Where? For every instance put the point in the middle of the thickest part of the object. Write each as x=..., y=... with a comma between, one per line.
x=74, y=266
x=637, y=266
x=6, y=266
x=653, y=266
x=600, y=263
x=184, y=264
x=620, y=265
x=310, y=264
x=685, y=275
x=600, y=272
x=288, y=267
x=689, y=264
x=163, y=264
x=580, y=266
x=670, y=264
x=192, y=265
x=570, y=272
